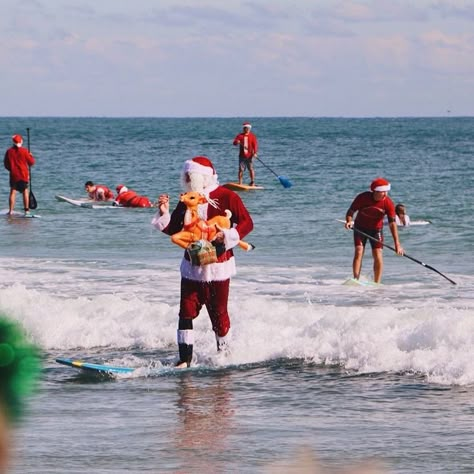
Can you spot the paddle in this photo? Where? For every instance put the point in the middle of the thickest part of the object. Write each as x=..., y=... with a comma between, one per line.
x=405, y=255
x=33, y=202
x=285, y=182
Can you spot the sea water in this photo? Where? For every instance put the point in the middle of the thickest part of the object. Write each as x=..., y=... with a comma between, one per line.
x=320, y=374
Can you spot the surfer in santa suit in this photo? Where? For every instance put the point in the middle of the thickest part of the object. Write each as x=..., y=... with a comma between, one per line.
x=248, y=148
x=371, y=208
x=205, y=284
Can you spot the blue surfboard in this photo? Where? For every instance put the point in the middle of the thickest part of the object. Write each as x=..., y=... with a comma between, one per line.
x=94, y=368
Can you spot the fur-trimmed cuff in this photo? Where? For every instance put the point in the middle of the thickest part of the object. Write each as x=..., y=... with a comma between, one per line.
x=231, y=238
x=161, y=222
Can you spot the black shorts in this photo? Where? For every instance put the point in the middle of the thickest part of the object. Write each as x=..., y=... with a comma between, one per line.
x=19, y=186
x=360, y=239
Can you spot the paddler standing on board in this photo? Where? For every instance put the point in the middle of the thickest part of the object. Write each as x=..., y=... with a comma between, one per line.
x=205, y=284
x=248, y=148
x=371, y=207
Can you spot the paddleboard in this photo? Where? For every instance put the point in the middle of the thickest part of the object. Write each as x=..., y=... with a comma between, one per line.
x=241, y=187
x=18, y=215
x=87, y=203
x=94, y=368
x=366, y=283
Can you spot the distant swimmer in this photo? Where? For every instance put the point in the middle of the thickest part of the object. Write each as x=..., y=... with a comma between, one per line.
x=248, y=148
x=18, y=161
x=401, y=218
x=98, y=192
x=371, y=208
x=129, y=198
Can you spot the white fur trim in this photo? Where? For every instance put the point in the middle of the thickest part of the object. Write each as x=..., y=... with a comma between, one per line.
x=231, y=238
x=247, y=125
x=191, y=166
x=382, y=188
x=185, y=336
x=213, y=272
x=161, y=222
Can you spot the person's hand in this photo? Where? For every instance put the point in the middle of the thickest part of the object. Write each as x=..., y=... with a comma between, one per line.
x=164, y=203
x=219, y=238
x=399, y=249
x=349, y=224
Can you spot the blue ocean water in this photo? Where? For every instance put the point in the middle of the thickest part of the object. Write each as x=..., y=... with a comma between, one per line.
x=320, y=374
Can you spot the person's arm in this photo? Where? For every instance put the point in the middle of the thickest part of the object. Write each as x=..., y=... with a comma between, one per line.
x=394, y=230
x=255, y=147
x=236, y=140
x=6, y=162
x=30, y=159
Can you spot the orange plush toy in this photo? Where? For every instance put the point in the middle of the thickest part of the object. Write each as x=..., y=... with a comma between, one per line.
x=196, y=229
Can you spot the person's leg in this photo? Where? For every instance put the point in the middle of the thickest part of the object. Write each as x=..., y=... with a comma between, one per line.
x=26, y=199
x=357, y=262
x=216, y=304
x=252, y=173
x=11, y=200
x=378, y=264
x=241, y=171
x=189, y=308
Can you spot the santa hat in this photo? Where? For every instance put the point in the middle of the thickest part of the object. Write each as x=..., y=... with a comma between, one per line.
x=17, y=140
x=121, y=188
x=380, y=184
x=200, y=165
x=247, y=125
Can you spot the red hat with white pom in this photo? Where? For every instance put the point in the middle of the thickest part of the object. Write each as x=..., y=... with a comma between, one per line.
x=380, y=184
x=200, y=165
x=17, y=140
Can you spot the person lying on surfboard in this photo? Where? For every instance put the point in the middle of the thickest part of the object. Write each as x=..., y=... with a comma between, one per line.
x=248, y=148
x=98, y=192
x=207, y=283
x=371, y=208
x=129, y=198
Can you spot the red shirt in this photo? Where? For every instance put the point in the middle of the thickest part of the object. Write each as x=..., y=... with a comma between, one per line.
x=248, y=144
x=17, y=160
x=101, y=193
x=370, y=213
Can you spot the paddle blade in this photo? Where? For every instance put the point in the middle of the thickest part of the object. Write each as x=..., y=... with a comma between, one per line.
x=33, y=203
x=285, y=182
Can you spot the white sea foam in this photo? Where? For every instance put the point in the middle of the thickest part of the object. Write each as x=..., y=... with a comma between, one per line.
x=79, y=307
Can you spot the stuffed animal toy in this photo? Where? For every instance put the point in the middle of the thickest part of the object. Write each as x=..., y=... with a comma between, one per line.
x=196, y=229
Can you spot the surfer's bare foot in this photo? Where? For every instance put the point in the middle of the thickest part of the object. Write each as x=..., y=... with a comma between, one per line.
x=181, y=365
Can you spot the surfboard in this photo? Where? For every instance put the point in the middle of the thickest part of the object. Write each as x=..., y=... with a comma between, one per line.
x=87, y=203
x=366, y=283
x=101, y=369
x=241, y=187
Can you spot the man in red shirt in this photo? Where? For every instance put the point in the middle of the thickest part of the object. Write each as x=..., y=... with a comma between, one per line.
x=18, y=161
x=248, y=148
x=371, y=207
x=205, y=283
x=98, y=192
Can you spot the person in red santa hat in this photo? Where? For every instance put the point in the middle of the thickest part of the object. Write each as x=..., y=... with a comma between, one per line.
x=98, y=192
x=248, y=148
x=371, y=208
x=18, y=161
x=205, y=284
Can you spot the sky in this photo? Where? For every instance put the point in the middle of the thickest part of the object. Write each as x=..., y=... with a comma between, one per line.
x=230, y=58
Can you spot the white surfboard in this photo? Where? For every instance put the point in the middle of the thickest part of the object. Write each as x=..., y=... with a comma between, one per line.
x=365, y=283
x=87, y=203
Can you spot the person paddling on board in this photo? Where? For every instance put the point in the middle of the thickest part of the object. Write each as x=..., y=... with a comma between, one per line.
x=205, y=284
x=371, y=208
x=248, y=148
x=18, y=161
x=98, y=192
x=129, y=198
x=401, y=218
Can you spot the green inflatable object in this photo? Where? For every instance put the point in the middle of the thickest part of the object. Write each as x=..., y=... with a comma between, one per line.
x=20, y=367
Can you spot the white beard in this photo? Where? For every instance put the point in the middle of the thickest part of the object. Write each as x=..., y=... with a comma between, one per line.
x=198, y=182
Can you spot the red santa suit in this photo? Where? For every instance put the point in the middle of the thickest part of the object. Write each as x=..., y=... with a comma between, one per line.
x=207, y=284
x=129, y=198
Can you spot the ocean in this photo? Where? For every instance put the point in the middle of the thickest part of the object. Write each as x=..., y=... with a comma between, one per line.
x=321, y=376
